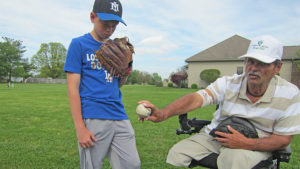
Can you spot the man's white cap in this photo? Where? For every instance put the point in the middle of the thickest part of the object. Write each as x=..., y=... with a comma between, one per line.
x=265, y=48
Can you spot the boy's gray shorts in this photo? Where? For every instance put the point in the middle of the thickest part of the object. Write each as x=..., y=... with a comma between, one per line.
x=116, y=140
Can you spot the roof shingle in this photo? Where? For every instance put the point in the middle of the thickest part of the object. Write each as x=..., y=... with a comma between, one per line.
x=233, y=47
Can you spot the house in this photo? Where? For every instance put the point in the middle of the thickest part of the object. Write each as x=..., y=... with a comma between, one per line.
x=224, y=57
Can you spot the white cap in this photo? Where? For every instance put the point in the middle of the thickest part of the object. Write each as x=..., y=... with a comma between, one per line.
x=265, y=48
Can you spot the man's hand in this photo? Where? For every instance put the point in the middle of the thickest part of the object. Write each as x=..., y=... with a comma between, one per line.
x=85, y=138
x=233, y=140
x=156, y=114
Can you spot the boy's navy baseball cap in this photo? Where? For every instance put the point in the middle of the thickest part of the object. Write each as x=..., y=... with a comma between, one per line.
x=108, y=10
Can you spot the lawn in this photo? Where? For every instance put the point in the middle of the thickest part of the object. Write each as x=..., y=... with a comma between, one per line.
x=37, y=131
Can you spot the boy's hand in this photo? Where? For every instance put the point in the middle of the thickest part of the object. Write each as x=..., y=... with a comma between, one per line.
x=116, y=56
x=85, y=138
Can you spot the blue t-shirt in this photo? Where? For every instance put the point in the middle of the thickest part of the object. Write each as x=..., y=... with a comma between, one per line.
x=99, y=91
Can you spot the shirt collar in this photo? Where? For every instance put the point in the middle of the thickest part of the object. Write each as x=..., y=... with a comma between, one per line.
x=267, y=97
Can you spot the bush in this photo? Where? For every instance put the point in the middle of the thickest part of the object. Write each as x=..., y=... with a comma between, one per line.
x=210, y=75
x=170, y=84
x=194, y=86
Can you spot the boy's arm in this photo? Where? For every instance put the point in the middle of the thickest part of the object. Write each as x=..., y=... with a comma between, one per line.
x=84, y=136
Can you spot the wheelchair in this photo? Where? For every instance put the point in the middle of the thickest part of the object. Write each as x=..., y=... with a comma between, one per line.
x=190, y=126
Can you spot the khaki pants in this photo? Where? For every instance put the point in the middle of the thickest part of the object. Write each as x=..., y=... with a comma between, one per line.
x=201, y=145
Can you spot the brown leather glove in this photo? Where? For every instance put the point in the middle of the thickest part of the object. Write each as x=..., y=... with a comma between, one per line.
x=116, y=56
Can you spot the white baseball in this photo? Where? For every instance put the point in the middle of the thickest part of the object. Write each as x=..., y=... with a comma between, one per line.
x=142, y=111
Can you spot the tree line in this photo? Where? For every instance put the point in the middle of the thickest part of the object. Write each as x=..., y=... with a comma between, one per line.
x=50, y=58
x=48, y=62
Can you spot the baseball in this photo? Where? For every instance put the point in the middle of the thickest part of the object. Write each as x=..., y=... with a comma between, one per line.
x=142, y=111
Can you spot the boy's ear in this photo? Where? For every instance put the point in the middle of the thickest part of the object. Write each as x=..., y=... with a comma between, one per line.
x=92, y=17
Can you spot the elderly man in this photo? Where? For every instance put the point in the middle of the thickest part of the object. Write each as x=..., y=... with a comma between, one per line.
x=269, y=102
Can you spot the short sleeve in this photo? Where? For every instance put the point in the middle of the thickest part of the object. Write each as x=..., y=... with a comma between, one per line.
x=73, y=60
x=218, y=89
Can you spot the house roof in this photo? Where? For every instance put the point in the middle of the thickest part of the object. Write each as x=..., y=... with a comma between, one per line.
x=290, y=52
x=233, y=47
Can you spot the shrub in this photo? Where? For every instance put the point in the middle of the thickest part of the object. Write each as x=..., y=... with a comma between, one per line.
x=210, y=75
x=170, y=84
x=194, y=86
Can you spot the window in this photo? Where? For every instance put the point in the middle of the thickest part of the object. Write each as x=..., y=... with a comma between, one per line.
x=239, y=70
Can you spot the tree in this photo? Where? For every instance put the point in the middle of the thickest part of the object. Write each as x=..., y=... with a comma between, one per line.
x=156, y=78
x=49, y=60
x=183, y=69
x=138, y=77
x=133, y=77
x=11, y=61
x=178, y=78
x=210, y=75
x=26, y=68
x=146, y=78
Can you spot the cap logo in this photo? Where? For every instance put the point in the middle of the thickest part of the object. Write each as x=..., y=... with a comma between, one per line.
x=114, y=6
x=260, y=45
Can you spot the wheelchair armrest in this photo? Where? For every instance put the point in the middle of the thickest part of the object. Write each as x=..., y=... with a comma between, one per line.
x=283, y=155
x=189, y=126
x=198, y=124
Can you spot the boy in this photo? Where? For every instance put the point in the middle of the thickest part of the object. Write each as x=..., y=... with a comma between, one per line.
x=102, y=126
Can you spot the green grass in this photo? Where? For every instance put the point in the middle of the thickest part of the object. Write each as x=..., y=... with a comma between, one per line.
x=37, y=131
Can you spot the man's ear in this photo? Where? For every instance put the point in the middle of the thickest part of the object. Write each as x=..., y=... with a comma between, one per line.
x=277, y=68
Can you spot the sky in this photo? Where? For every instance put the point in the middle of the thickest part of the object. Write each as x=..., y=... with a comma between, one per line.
x=164, y=32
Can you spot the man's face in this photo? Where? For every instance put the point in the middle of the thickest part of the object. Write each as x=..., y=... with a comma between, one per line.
x=259, y=73
x=104, y=29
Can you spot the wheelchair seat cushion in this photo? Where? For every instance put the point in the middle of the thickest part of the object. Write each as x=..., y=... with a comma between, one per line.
x=242, y=125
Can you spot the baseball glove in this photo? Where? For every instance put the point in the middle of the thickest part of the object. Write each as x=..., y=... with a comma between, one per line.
x=116, y=56
x=242, y=125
